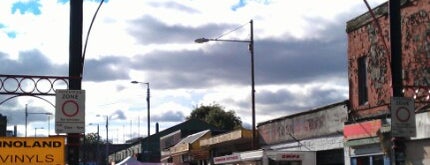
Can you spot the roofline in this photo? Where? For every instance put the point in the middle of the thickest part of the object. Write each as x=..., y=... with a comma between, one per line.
x=365, y=18
x=344, y=102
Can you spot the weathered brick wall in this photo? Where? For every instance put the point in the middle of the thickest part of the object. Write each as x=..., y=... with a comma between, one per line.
x=365, y=39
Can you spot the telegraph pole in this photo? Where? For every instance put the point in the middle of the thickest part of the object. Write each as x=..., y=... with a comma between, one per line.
x=75, y=71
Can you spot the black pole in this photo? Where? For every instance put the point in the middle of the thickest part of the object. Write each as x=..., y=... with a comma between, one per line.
x=75, y=71
x=107, y=140
x=149, y=121
x=98, y=144
x=396, y=65
x=26, y=120
x=396, y=47
x=251, y=50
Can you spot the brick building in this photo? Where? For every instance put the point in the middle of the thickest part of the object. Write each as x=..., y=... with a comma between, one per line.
x=369, y=127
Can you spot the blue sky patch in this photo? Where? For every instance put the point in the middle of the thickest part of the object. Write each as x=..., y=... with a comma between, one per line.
x=1, y=25
x=11, y=34
x=66, y=1
x=241, y=3
x=27, y=7
x=63, y=1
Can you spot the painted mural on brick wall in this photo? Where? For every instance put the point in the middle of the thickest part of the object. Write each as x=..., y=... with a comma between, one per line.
x=324, y=122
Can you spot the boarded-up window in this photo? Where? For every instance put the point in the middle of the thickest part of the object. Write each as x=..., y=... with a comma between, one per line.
x=362, y=80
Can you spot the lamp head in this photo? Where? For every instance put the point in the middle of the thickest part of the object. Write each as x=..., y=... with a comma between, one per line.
x=134, y=82
x=201, y=40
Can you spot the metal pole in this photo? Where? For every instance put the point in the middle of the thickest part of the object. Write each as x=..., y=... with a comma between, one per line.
x=149, y=121
x=26, y=120
x=49, y=126
x=251, y=50
x=396, y=64
x=107, y=139
x=75, y=71
x=98, y=144
x=131, y=128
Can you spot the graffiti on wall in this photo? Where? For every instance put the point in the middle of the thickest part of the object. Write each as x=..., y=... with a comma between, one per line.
x=378, y=64
x=416, y=49
x=325, y=122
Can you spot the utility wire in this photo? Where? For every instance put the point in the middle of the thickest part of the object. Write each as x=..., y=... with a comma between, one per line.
x=237, y=28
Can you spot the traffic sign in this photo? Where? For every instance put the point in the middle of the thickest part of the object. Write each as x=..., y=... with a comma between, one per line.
x=403, y=117
x=70, y=111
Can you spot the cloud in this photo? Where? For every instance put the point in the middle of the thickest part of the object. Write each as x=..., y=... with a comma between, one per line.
x=108, y=68
x=171, y=116
x=149, y=30
x=118, y=114
x=31, y=62
x=174, y=6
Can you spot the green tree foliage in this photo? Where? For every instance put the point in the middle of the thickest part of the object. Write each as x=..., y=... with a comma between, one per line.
x=92, y=138
x=216, y=115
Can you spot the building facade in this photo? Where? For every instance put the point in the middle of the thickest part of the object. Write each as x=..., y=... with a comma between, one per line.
x=375, y=119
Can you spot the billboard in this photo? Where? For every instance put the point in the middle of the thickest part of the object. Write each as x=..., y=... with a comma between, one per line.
x=32, y=150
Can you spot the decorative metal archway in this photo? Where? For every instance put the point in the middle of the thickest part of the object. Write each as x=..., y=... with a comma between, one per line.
x=29, y=85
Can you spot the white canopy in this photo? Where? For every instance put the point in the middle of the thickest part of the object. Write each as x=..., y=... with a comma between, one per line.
x=131, y=160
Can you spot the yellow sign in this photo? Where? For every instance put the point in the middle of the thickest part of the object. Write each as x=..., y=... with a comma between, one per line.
x=32, y=150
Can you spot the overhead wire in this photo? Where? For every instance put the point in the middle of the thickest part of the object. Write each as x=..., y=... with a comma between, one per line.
x=237, y=28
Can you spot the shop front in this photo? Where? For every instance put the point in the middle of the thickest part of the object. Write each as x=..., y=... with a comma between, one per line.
x=188, y=151
x=365, y=145
x=262, y=157
x=318, y=131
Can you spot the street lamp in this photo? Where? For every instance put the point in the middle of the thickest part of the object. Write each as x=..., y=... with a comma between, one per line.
x=35, y=130
x=107, y=136
x=40, y=113
x=148, y=111
x=251, y=50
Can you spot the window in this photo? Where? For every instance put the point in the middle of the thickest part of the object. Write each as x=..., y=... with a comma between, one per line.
x=362, y=80
x=371, y=160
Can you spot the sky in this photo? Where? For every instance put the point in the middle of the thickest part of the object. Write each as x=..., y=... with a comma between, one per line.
x=300, y=59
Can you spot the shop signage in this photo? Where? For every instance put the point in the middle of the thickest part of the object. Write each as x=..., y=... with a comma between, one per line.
x=289, y=156
x=403, y=117
x=35, y=151
x=362, y=129
x=226, y=159
x=423, y=125
x=361, y=142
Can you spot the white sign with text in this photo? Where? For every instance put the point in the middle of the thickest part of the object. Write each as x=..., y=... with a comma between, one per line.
x=70, y=111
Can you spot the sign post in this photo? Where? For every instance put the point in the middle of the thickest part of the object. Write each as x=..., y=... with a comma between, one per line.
x=70, y=111
x=402, y=126
x=403, y=117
